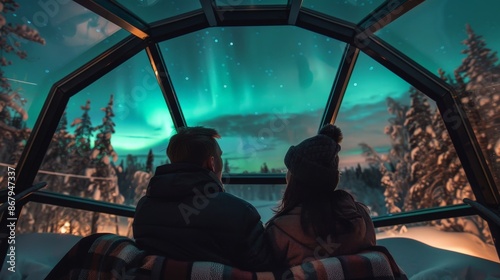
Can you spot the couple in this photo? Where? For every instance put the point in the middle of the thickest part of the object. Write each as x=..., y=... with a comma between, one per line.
x=186, y=215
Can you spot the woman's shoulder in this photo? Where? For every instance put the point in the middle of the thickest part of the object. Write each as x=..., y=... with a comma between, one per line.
x=291, y=216
x=347, y=205
x=344, y=199
x=343, y=194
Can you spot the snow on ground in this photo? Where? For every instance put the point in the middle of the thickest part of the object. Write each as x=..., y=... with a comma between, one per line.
x=36, y=254
x=460, y=242
x=421, y=261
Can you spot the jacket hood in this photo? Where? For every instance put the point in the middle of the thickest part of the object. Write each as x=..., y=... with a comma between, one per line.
x=177, y=180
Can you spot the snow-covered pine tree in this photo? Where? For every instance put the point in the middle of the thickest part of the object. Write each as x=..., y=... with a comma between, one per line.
x=353, y=181
x=395, y=166
x=264, y=168
x=451, y=174
x=103, y=149
x=55, y=159
x=481, y=99
x=12, y=136
x=423, y=159
x=138, y=184
x=227, y=168
x=376, y=162
x=397, y=162
x=136, y=181
x=50, y=218
x=83, y=132
x=105, y=189
x=79, y=160
x=59, y=151
x=126, y=187
x=449, y=169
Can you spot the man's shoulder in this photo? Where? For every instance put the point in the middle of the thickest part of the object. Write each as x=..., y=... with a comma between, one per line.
x=234, y=199
x=237, y=204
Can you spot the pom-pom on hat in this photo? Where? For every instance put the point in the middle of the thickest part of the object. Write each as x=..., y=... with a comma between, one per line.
x=315, y=160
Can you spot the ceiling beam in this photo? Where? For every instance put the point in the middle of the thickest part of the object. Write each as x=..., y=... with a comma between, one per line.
x=385, y=14
x=330, y=27
x=208, y=7
x=294, y=11
x=340, y=85
x=163, y=79
x=178, y=26
x=252, y=16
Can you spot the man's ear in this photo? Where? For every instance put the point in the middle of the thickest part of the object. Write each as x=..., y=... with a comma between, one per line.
x=211, y=163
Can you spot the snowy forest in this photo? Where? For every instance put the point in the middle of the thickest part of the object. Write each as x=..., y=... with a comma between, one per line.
x=421, y=170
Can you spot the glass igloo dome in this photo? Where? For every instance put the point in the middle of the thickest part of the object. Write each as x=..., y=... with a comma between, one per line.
x=91, y=92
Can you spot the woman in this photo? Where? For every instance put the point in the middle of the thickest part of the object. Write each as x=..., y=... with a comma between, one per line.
x=314, y=220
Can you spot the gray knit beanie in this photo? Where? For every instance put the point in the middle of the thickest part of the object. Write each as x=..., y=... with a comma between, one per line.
x=315, y=159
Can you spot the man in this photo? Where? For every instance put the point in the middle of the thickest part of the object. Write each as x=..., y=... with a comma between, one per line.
x=186, y=215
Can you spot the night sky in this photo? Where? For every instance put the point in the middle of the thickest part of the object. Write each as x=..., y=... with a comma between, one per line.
x=263, y=88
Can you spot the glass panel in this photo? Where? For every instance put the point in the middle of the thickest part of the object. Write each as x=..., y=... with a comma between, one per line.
x=460, y=38
x=440, y=240
x=263, y=89
x=154, y=10
x=396, y=153
x=112, y=136
x=250, y=2
x=45, y=42
x=349, y=10
x=265, y=198
x=433, y=33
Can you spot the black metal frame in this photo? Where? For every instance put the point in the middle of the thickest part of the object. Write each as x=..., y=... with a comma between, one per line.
x=118, y=15
x=19, y=198
x=340, y=84
x=358, y=37
x=81, y=203
x=385, y=14
x=209, y=11
x=163, y=79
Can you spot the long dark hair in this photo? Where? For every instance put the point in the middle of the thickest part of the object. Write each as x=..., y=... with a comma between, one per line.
x=320, y=212
x=320, y=203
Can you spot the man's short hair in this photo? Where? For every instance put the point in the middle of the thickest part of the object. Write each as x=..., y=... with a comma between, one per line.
x=193, y=145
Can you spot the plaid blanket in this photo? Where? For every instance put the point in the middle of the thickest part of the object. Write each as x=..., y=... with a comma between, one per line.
x=109, y=256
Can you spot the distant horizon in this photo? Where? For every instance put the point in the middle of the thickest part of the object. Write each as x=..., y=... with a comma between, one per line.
x=345, y=161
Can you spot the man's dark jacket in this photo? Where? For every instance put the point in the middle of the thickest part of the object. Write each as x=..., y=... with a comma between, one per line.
x=186, y=215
